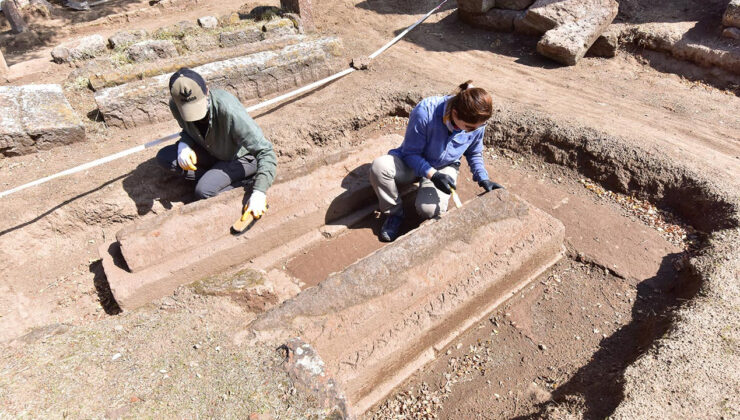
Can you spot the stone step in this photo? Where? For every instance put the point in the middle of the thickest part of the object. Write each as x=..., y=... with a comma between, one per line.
x=151, y=257
x=248, y=77
x=36, y=117
x=379, y=320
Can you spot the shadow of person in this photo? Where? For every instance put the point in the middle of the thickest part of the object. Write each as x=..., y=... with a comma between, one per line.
x=149, y=182
x=601, y=382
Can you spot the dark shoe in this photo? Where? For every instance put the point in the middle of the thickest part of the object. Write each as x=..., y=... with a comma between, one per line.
x=391, y=228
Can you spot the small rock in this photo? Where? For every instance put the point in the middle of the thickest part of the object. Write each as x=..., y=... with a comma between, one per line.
x=163, y=371
x=543, y=347
x=596, y=330
x=124, y=38
x=118, y=328
x=115, y=357
x=208, y=22
x=79, y=49
x=196, y=346
x=360, y=63
x=152, y=50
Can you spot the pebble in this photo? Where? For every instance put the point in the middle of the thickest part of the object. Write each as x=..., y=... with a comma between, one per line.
x=543, y=347
x=596, y=330
x=115, y=356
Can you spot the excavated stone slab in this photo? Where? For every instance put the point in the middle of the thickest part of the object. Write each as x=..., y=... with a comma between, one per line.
x=36, y=117
x=732, y=14
x=475, y=6
x=569, y=42
x=385, y=316
x=547, y=14
x=253, y=76
x=150, y=258
x=498, y=20
x=122, y=39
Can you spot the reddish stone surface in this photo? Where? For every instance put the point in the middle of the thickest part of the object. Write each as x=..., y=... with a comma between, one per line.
x=385, y=316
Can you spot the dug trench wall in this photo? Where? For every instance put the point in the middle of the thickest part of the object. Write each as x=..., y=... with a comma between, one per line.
x=691, y=372
x=384, y=317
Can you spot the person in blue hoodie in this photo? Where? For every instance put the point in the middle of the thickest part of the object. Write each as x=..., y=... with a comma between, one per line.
x=441, y=130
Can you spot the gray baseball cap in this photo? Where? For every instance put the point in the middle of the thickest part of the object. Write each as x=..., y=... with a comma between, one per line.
x=189, y=92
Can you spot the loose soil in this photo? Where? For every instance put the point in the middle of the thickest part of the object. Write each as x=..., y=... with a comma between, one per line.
x=568, y=337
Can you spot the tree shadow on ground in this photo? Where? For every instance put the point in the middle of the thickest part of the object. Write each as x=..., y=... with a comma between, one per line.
x=20, y=47
x=601, y=382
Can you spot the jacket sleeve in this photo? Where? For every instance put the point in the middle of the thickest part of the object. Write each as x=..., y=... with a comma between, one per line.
x=184, y=136
x=474, y=156
x=245, y=132
x=415, y=140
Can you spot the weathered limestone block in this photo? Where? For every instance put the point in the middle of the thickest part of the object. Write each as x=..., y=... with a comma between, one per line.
x=278, y=27
x=385, y=316
x=569, y=42
x=732, y=33
x=124, y=38
x=151, y=50
x=571, y=26
x=36, y=117
x=522, y=25
x=475, y=6
x=513, y=4
x=208, y=22
x=547, y=14
x=201, y=42
x=80, y=49
x=499, y=20
x=248, y=77
x=242, y=36
x=732, y=14
x=303, y=8
x=606, y=44
x=3, y=68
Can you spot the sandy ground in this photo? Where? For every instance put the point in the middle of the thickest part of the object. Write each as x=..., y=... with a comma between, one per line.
x=49, y=234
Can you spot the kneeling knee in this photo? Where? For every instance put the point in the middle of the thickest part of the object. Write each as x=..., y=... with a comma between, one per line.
x=428, y=211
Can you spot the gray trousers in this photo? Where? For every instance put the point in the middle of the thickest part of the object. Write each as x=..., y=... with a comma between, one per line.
x=389, y=172
x=213, y=176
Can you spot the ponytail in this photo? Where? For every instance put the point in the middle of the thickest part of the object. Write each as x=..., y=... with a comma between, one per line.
x=473, y=105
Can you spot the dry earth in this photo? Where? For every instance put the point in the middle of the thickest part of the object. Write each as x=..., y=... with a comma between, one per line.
x=570, y=337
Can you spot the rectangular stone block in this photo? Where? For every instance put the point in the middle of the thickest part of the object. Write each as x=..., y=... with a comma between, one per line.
x=36, y=117
x=547, y=14
x=475, y=6
x=732, y=14
x=606, y=44
x=146, y=101
x=498, y=20
x=568, y=42
x=382, y=318
x=244, y=36
x=150, y=258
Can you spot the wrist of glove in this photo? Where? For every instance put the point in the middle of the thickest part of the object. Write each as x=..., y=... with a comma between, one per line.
x=443, y=182
x=257, y=204
x=186, y=157
x=489, y=185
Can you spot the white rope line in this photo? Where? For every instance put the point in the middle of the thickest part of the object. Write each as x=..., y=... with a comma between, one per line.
x=250, y=109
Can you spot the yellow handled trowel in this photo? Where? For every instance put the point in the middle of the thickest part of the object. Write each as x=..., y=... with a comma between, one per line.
x=456, y=198
x=244, y=223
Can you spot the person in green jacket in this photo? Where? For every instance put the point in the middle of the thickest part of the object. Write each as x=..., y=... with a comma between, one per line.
x=220, y=146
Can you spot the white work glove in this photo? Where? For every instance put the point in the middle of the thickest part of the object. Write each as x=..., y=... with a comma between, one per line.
x=186, y=157
x=257, y=204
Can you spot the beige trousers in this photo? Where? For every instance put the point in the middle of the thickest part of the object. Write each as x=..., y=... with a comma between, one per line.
x=389, y=172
